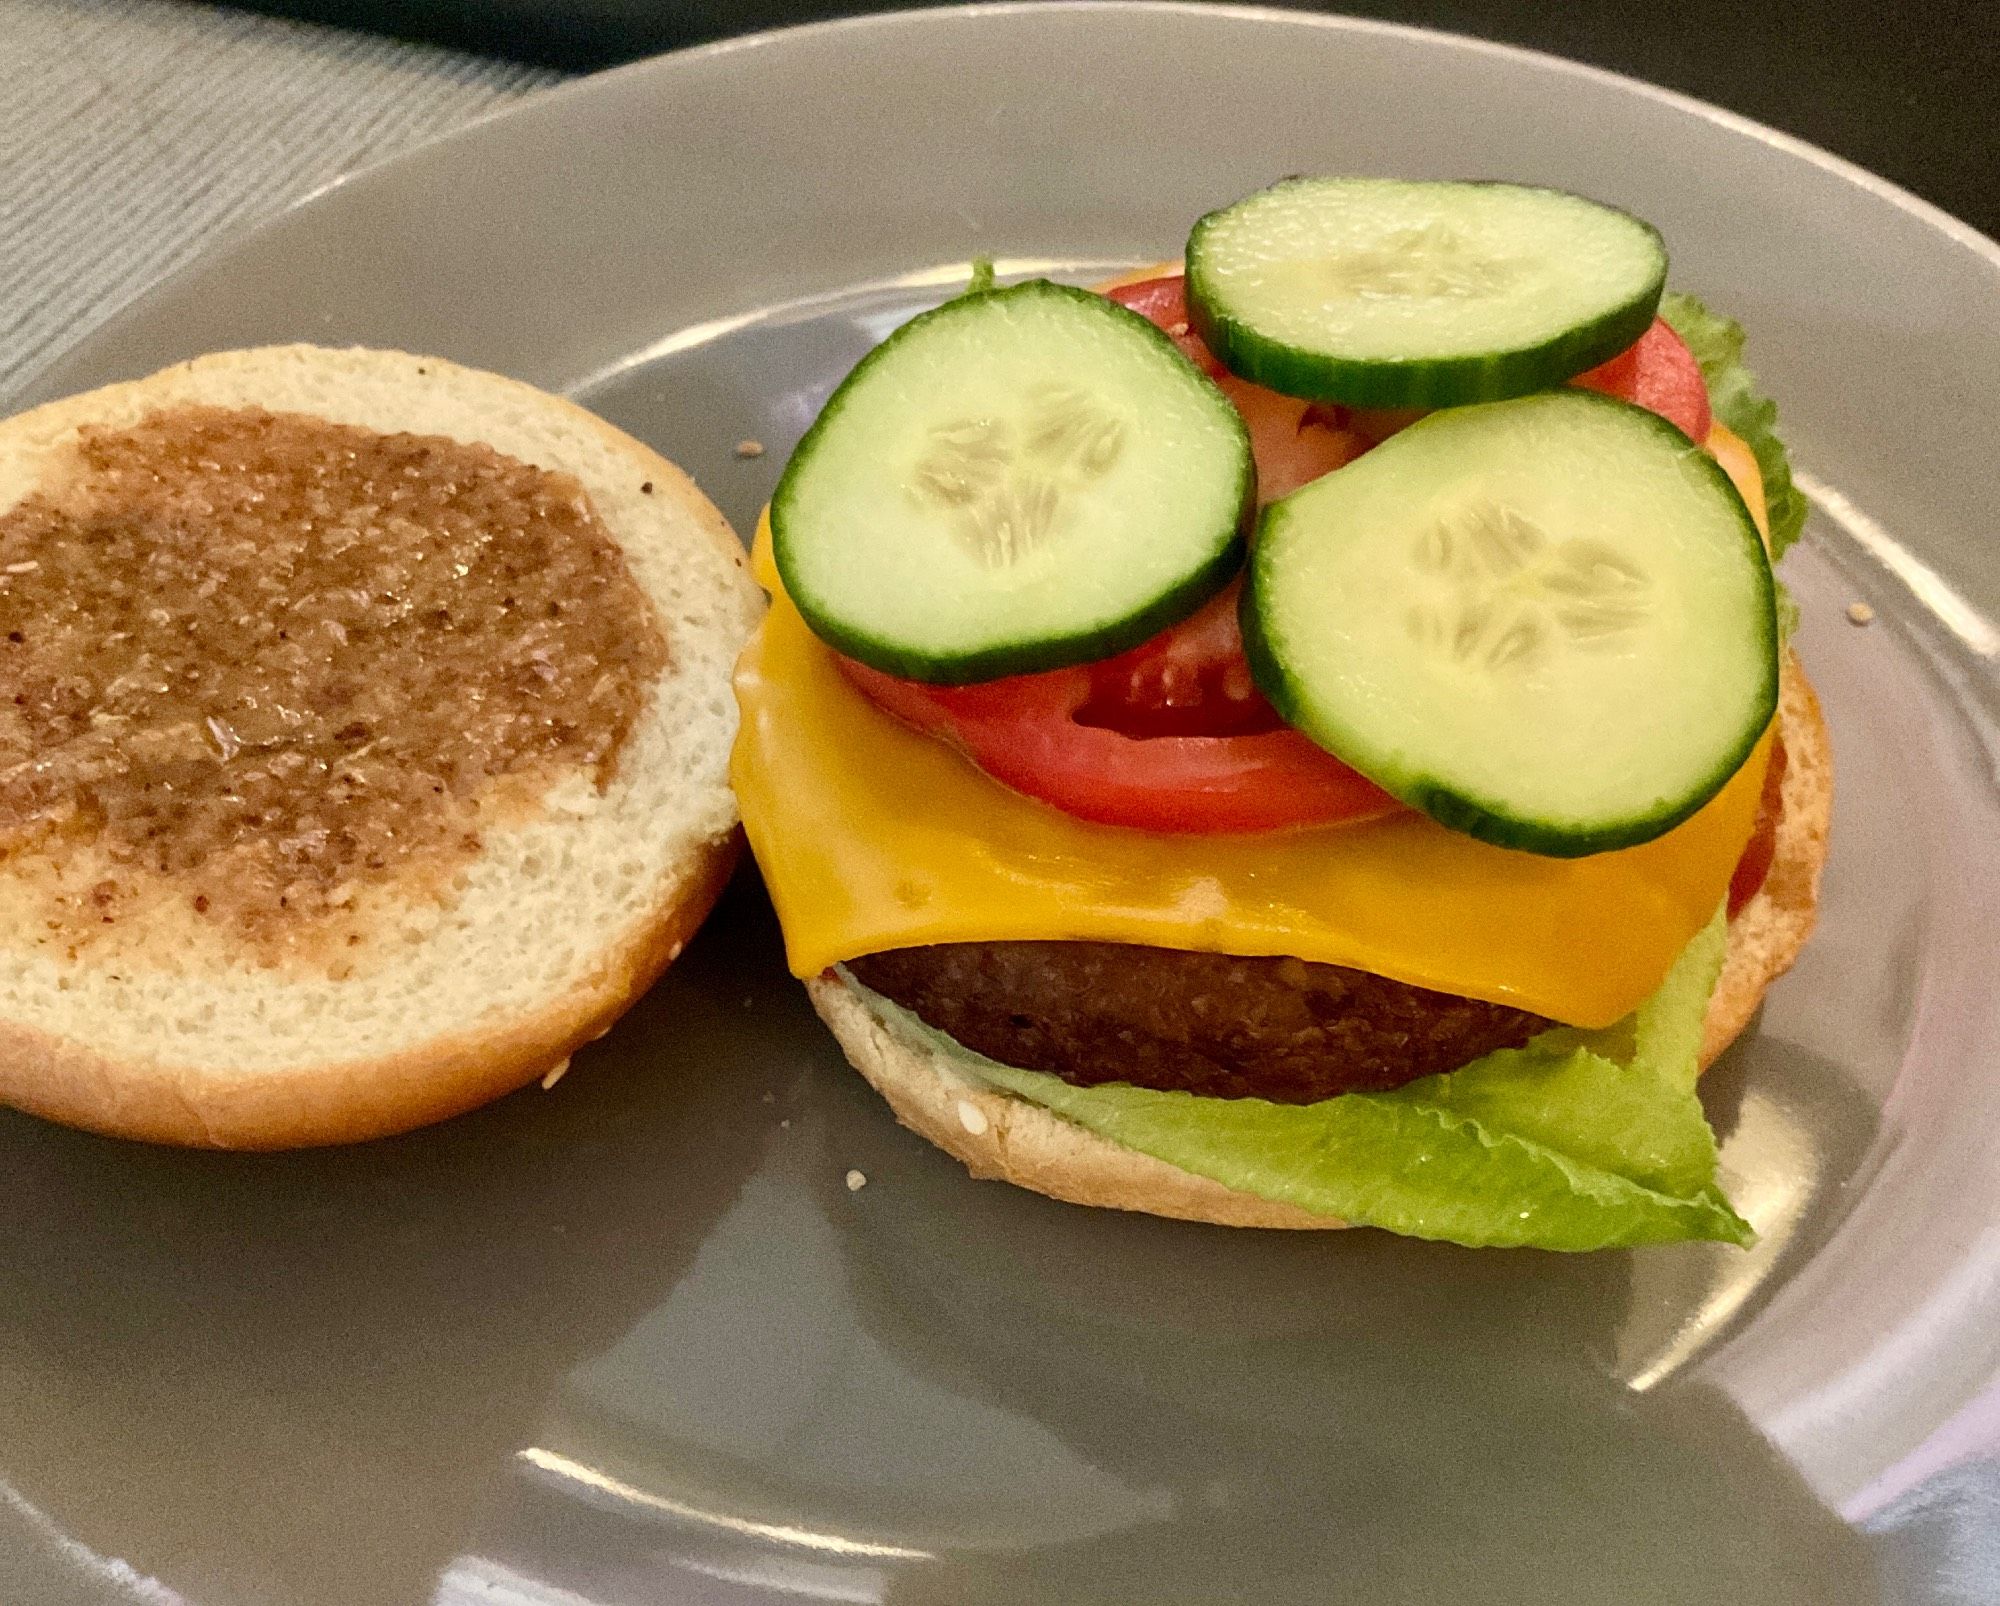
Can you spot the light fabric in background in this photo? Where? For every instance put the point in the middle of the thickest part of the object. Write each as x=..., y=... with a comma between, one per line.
x=135, y=133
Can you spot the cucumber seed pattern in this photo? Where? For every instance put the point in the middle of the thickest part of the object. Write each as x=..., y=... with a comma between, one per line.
x=1509, y=592
x=1434, y=262
x=1004, y=484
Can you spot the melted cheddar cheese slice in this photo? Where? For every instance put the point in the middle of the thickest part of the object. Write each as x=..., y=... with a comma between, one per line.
x=871, y=836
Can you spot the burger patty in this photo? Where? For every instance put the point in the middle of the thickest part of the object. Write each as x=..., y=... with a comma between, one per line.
x=1280, y=1029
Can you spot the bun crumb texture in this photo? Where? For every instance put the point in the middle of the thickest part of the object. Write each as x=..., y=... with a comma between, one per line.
x=280, y=958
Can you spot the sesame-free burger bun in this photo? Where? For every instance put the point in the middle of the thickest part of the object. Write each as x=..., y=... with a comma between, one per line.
x=464, y=973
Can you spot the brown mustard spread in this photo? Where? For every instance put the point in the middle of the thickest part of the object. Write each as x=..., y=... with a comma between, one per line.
x=256, y=661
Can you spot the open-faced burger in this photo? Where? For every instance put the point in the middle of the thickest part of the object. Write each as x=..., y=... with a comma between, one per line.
x=1304, y=738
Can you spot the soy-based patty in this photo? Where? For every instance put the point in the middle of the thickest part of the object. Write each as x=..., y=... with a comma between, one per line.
x=1279, y=1029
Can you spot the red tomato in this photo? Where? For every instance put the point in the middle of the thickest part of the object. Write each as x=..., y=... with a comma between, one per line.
x=1163, y=301
x=1171, y=736
x=1659, y=373
x=1294, y=442
x=1755, y=864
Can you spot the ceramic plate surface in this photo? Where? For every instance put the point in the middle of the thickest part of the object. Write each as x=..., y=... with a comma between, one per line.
x=634, y=1340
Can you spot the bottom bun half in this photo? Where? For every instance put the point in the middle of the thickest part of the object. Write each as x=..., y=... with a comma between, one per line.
x=1005, y=1138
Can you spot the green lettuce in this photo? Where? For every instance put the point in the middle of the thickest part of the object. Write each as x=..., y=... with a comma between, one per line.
x=1717, y=344
x=1580, y=1140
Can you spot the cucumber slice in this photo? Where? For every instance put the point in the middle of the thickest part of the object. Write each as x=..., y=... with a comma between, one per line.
x=1017, y=480
x=1387, y=293
x=1545, y=622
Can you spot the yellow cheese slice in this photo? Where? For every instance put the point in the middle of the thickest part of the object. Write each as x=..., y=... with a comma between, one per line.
x=871, y=836
x=1740, y=463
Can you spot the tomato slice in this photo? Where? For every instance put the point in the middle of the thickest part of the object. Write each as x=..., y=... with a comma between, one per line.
x=1171, y=736
x=1294, y=442
x=1163, y=301
x=1762, y=847
x=1659, y=373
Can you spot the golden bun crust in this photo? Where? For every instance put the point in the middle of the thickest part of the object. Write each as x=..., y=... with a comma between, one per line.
x=1769, y=930
x=352, y=1101
x=1008, y=1139
x=560, y=922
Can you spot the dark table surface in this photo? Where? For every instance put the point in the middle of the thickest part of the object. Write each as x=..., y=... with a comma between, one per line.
x=1907, y=90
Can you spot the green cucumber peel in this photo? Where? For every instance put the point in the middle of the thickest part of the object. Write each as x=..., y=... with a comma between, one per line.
x=1302, y=593
x=1717, y=344
x=935, y=547
x=1306, y=288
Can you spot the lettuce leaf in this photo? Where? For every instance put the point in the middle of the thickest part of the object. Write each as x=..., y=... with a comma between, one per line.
x=1717, y=344
x=1788, y=610
x=1580, y=1140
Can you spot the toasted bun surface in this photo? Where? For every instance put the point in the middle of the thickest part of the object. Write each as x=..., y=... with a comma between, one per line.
x=556, y=925
x=998, y=1136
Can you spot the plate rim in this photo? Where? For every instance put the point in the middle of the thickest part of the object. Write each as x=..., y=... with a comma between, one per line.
x=1953, y=228
x=556, y=103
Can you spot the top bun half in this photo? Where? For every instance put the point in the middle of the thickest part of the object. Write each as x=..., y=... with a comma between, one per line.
x=430, y=983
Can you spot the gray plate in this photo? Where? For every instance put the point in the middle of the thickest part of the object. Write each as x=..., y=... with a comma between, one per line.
x=634, y=1340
